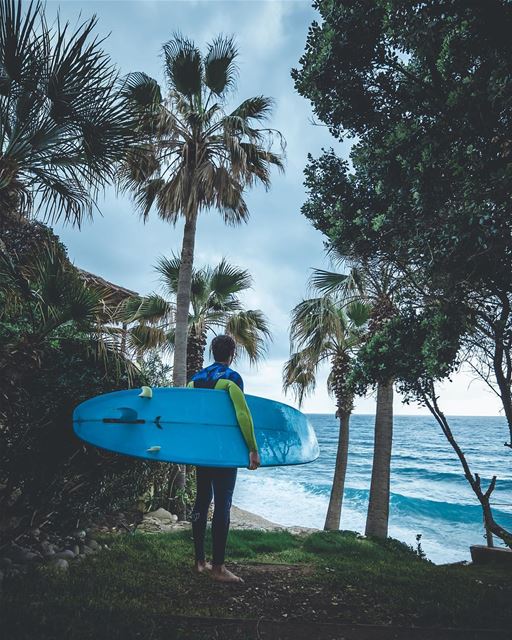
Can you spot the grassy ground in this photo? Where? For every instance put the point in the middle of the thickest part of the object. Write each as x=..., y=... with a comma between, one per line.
x=139, y=587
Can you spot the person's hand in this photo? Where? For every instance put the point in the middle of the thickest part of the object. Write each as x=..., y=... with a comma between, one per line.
x=254, y=460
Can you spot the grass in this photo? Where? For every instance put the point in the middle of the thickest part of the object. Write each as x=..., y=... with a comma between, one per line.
x=134, y=589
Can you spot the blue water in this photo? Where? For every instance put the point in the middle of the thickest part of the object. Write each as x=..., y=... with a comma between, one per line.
x=429, y=493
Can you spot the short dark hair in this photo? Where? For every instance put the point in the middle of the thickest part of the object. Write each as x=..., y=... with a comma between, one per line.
x=223, y=348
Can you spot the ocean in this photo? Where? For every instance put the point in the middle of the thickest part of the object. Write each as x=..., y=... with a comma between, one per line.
x=429, y=493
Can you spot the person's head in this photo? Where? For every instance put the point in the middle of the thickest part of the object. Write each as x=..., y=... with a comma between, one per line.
x=223, y=349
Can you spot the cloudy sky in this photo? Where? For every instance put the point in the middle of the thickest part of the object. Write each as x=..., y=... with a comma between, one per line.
x=278, y=245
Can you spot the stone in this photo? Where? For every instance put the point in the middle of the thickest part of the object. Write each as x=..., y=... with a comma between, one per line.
x=47, y=548
x=60, y=564
x=67, y=554
x=92, y=544
x=16, y=553
x=76, y=550
x=160, y=514
x=5, y=563
x=87, y=550
x=481, y=554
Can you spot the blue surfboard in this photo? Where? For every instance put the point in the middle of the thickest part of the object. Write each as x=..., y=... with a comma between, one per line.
x=194, y=426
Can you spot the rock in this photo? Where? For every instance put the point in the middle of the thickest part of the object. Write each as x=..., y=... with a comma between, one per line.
x=79, y=534
x=5, y=563
x=87, y=550
x=160, y=514
x=60, y=563
x=16, y=553
x=76, y=550
x=30, y=556
x=92, y=544
x=174, y=518
x=67, y=554
x=47, y=548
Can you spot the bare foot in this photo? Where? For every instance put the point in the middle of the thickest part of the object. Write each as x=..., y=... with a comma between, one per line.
x=221, y=574
x=201, y=567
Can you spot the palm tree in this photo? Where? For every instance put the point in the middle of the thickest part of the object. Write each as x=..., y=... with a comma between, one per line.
x=374, y=284
x=63, y=123
x=43, y=296
x=322, y=330
x=197, y=156
x=215, y=304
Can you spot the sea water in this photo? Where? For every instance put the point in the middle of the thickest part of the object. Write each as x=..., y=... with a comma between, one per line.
x=429, y=493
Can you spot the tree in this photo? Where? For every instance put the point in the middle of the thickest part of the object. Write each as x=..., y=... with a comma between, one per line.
x=427, y=90
x=373, y=284
x=215, y=303
x=419, y=348
x=64, y=124
x=197, y=156
x=321, y=329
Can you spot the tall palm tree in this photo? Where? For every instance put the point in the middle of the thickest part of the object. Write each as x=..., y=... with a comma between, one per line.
x=197, y=155
x=322, y=330
x=64, y=123
x=374, y=284
x=215, y=304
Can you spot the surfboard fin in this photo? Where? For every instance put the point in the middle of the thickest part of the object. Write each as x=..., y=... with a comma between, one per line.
x=153, y=449
x=128, y=416
x=146, y=392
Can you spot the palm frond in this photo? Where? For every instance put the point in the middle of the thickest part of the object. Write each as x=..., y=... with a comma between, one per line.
x=358, y=312
x=227, y=279
x=64, y=123
x=299, y=375
x=183, y=65
x=220, y=71
x=142, y=89
x=251, y=332
x=169, y=269
x=144, y=338
x=329, y=282
x=315, y=322
x=257, y=108
x=153, y=309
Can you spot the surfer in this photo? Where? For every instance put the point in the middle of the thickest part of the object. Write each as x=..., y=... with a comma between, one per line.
x=219, y=482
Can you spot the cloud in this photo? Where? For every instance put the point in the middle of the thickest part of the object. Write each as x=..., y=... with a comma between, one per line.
x=278, y=245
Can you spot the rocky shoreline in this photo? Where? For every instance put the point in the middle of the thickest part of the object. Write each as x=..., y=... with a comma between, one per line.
x=58, y=550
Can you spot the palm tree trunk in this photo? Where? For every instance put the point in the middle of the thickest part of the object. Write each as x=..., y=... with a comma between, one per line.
x=332, y=520
x=196, y=343
x=378, y=507
x=179, y=375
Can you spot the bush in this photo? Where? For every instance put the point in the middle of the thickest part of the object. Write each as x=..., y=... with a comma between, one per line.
x=47, y=475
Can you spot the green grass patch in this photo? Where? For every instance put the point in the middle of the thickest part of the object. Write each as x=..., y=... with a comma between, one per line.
x=327, y=576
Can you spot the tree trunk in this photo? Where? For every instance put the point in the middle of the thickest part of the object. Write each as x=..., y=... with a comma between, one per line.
x=179, y=375
x=332, y=520
x=183, y=301
x=378, y=506
x=196, y=344
x=491, y=526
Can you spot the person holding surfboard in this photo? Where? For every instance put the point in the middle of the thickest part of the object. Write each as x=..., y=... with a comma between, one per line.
x=219, y=482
